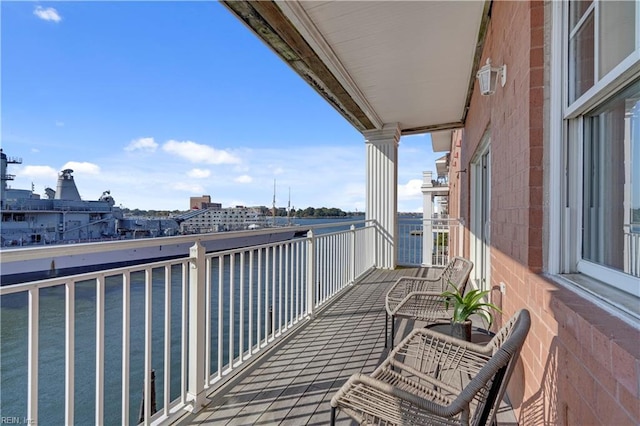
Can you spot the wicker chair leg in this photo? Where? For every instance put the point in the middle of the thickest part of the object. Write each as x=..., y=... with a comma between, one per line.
x=393, y=329
x=333, y=416
x=386, y=329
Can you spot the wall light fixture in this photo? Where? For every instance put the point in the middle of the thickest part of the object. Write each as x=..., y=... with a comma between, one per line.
x=488, y=78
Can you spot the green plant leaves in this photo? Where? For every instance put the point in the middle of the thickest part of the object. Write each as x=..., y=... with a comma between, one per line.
x=468, y=304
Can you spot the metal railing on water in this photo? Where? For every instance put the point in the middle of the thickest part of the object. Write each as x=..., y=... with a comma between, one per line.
x=195, y=321
x=429, y=242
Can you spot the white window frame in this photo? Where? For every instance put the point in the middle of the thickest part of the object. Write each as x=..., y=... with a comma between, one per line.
x=566, y=136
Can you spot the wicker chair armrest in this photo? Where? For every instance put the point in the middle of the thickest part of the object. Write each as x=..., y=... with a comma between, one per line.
x=403, y=281
x=417, y=401
x=439, y=339
x=434, y=295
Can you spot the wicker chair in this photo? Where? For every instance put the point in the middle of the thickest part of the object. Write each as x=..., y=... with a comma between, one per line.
x=431, y=378
x=420, y=298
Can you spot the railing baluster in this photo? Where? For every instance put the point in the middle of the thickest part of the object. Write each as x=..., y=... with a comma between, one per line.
x=273, y=292
x=70, y=323
x=352, y=254
x=288, y=295
x=32, y=379
x=99, y=414
x=259, y=302
x=280, y=277
x=250, y=342
x=167, y=339
x=207, y=329
x=148, y=321
x=266, y=295
x=126, y=338
x=220, y=314
x=184, y=331
x=300, y=269
x=231, y=308
x=241, y=331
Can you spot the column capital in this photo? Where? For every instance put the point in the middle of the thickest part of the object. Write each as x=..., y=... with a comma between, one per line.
x=426, y=181
x=389, y=133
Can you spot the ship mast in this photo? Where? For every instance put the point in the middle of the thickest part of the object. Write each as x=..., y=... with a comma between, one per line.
x=273, y=206
x=289, y=209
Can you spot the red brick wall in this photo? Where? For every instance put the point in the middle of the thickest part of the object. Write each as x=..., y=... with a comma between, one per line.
x=579, y=365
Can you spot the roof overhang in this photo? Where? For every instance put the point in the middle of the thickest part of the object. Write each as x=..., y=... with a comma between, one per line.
x=378, y=62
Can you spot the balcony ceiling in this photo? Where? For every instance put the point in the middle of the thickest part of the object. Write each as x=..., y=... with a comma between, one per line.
x=379, y=62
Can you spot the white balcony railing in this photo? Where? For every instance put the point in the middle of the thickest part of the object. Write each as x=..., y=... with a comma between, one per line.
x=82, y=348
x=632, y=250
x=429, y=242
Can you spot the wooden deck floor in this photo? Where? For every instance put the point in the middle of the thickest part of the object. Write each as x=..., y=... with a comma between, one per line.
x=294, y=384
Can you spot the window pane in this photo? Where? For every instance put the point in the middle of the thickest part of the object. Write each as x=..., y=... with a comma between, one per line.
x=576, y=10
x=611, y=203
x=581, y=49
x=617, y=33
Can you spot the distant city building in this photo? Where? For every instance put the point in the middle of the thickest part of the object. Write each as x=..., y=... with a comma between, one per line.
x=203, y=202
x=217, y=219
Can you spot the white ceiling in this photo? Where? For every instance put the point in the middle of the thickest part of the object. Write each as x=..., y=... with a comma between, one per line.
x=406, y=62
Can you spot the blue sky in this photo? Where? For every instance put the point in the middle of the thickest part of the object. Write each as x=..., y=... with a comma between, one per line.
x=161, y=101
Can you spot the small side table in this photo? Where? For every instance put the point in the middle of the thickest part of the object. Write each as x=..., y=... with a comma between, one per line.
x=478, y=335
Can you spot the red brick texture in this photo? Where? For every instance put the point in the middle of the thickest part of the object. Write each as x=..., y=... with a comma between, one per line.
x=580, y=365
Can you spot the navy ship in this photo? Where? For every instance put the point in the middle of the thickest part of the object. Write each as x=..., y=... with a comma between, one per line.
x=60, y=216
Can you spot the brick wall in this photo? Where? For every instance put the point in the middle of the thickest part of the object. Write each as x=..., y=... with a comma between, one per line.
x=580, y=365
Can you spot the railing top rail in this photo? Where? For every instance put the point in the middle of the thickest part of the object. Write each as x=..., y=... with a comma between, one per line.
x=87, y=276
x=293, y=240
x=444, y=220
x=31, y=252
x=39, y=252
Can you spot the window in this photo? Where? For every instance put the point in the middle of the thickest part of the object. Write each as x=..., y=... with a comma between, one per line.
x=601, y=35
x=611, y=183
x=600, y=98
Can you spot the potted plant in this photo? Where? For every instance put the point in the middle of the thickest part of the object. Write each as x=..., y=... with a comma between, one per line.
x=465, y=305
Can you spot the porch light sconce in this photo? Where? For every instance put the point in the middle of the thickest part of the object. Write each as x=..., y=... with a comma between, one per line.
x=488, y=78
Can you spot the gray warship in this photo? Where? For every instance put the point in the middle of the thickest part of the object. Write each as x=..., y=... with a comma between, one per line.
x=61, y=216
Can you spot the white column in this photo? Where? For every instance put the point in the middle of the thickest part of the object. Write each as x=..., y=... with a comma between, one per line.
x=427, y=214
x=382, y=193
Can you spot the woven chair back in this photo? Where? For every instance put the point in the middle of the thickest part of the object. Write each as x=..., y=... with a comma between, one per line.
x=507, y=344
x=457, y=273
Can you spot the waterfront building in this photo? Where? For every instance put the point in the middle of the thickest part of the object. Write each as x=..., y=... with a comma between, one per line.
x=542, y=181
x=219, y=219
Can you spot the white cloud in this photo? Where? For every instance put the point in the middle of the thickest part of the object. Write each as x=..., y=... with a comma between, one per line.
x=39, y=172
x=142, y=144
x=188, y=187
x=244, y=179
x=84, y=167
x=199, y=153
x=199, y=173
x=59, y=124
x=278, y=171
x=410, y=190
x=47, y=14
x=35, y=150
